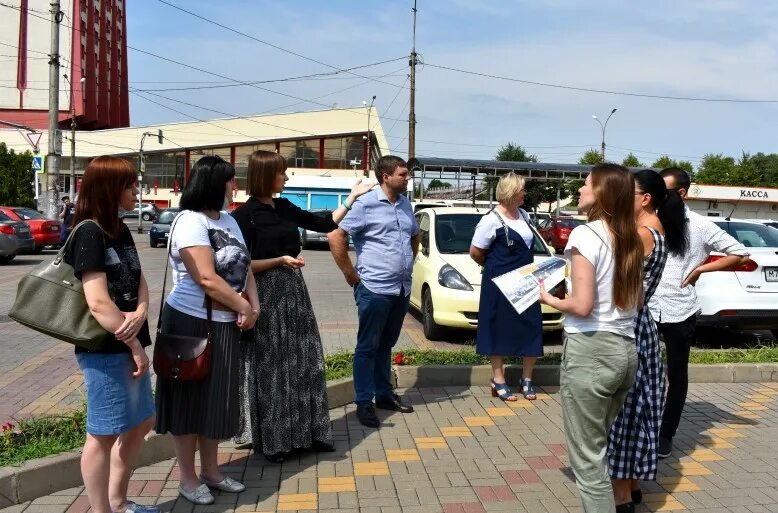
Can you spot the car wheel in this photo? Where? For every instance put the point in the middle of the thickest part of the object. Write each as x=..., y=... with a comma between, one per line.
x=6, y=259
x=146, y=217
x=432, y=330
x=153, y=244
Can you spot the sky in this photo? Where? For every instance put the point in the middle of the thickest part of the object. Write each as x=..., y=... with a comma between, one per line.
x=716, y=49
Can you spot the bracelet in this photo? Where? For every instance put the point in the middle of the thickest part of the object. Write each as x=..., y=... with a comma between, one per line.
x=347, y=205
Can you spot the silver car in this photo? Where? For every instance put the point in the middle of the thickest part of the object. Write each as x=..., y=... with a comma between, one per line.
x=19, y=230
x=308, y=237
x=147, y=211
x=8, y=241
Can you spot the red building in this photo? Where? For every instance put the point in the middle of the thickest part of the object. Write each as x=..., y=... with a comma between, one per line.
x=93, y=47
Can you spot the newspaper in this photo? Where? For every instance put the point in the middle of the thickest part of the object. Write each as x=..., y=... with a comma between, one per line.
x=521, y=286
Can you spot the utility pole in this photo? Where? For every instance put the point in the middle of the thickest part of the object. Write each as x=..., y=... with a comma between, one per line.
x=73, y=137
x=412, y=111
x=369, y=111
x=142, y=172
x=53, y=157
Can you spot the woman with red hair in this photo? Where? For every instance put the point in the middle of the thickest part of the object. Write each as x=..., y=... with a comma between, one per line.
x=119, y=402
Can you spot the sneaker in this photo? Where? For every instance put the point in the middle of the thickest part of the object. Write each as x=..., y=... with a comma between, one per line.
x=137, y=508
x=665, y=447
x=366, y=415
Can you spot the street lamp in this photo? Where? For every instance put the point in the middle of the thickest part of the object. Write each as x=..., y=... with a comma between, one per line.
x=603, y=125
x=73, y=137
x=367, y=137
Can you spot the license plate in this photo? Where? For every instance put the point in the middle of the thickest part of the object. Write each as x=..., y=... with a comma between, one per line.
x=771, y=273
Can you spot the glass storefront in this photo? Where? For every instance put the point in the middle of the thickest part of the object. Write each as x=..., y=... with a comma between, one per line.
x=164, y=170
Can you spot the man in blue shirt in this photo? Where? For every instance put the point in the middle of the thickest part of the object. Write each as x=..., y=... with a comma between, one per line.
x=386, y=239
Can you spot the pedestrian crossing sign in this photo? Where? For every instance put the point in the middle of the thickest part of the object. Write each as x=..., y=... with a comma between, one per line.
x=38, y=164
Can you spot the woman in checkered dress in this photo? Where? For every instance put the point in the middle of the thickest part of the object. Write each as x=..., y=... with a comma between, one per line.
x=634, y=435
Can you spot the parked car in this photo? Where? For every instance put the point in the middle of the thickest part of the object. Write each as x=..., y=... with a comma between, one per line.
x=25, y=243
x=308, y=237
x=45, y=231
x=160, y=230
x=446, y=286
x=8, y=243
x=745, y=297
x=147, y=211
x=538, y=217
x=556, y=230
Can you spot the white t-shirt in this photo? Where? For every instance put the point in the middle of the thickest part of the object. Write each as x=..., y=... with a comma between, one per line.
x=489, y=226
x=231, y=260
x=605, y=316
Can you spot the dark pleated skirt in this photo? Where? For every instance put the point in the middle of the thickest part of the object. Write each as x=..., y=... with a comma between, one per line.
x=209, y=407
x=283, y=388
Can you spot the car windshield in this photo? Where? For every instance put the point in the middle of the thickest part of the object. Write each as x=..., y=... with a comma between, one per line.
x=167, y=216
x=570, y=223
x=454, y=233
x=28, y=213
x=752, y=235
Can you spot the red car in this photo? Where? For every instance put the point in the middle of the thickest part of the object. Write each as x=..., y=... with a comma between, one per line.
x=556, y=230
x=46, y=232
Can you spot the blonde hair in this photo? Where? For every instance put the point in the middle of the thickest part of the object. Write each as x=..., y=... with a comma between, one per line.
x=509, y=187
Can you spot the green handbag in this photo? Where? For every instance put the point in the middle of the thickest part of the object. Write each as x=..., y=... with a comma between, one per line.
x=51, y=300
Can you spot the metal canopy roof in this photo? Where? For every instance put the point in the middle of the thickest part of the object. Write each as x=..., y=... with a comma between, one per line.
x=539, y=170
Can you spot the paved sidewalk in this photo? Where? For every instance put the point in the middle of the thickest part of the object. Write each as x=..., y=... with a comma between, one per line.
x=463, y=451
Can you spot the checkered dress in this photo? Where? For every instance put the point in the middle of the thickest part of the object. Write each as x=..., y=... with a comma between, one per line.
x=634, y=435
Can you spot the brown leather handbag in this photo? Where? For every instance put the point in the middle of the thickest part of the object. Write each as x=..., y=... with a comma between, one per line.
x=181, y=357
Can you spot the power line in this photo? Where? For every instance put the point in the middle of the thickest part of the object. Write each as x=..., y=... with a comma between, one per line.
x=600, y=91
x=253, y=38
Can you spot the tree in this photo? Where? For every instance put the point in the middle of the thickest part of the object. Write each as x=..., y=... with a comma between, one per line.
x=16, y=178
x=591, y=157
x=767, y=167
x=437, y=184
x=514, y=153
x=535, y=192
x=631, y=161
x=715, y=169
x=665, y=161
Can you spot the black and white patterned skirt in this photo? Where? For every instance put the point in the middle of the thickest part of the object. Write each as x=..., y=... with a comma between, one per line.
x=283, y=388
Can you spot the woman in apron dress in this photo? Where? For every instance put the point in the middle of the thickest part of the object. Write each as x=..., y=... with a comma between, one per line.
x=503, y=242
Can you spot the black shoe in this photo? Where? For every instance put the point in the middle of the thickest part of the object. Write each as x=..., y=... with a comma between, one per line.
x=393, y=403
x=665, y=447
x=366, y=415
x=627, y=507
x=277, y=457
x=320, y=446
x=637, y=496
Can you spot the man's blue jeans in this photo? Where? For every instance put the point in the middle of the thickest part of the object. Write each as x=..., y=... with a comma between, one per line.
x=380, y=322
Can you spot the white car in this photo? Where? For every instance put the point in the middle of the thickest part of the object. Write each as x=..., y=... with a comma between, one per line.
x=745, y=297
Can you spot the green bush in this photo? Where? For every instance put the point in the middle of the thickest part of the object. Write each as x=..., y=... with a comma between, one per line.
x=43, y=436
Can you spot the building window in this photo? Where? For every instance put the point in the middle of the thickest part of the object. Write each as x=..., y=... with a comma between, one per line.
x=242, y=154
x=343, y=152
x=301, y=154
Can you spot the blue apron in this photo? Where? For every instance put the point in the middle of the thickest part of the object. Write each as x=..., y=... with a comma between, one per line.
x=501, y=330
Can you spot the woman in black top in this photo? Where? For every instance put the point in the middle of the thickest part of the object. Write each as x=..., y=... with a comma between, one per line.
x=284, y=396
x=119, y=403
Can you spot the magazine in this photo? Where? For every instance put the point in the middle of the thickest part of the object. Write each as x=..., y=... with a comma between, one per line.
x=521, y=286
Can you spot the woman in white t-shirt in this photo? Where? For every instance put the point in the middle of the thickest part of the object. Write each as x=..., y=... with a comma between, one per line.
x=599, y=359
x=210, y=272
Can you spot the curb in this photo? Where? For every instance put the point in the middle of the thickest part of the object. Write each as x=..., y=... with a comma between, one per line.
x=548, y=375
x=44, y=476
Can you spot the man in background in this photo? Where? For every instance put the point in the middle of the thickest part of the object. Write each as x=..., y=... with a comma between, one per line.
x=674, y=305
